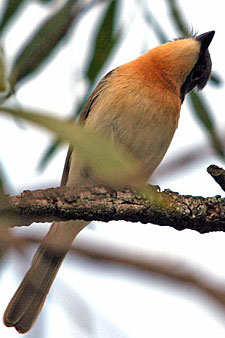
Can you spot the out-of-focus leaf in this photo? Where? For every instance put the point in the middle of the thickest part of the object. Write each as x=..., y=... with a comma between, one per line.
x=202, y=111
x=200, y=107
x=2, y=185
x=178, y=18
x=11, y=8
x=43, y=41
x=151, y=20
x=182, y=26
x=4, y=85
x=82, y=102
x=112, y=164
x=46, y=1
x=105, y=41
x=51, y=149
x=216, y=80
x=4, y=181
x=103, y=46
x=48, y=155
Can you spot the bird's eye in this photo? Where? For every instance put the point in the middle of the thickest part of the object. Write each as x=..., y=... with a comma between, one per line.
x=196, y=75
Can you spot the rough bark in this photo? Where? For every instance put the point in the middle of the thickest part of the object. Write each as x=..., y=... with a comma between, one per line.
x=101, y=204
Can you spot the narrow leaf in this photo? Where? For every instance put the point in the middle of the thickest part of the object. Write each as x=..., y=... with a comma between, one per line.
x=42, y=43
x=46, y=1
x=202, y=111
x=178, y=18
x=48, y=154
x=105, y=41
x=52, y=148
x=198, y=104
x=152, y=21
x=5, y=186
x=4, y=85
x=110, y=163
x=11, y=8
x=216, y=80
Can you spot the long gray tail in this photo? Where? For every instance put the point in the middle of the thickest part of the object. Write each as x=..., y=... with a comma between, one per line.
x=29, y=298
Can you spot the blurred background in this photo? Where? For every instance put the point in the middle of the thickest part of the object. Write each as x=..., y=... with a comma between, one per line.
x=54, y=53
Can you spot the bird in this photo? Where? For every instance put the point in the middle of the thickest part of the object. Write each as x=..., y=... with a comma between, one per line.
x=136, y=105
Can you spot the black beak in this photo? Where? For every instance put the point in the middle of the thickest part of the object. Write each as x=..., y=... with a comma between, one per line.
x=205, y=40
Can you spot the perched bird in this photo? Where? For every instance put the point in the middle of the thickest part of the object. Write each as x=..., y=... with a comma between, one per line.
x=136, y=105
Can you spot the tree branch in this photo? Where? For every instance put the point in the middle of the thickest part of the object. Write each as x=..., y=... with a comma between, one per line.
x=100, y=204
x=218, y=174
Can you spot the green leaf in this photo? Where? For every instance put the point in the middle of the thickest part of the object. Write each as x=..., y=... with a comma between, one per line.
x=202, y=111
x=5, y=185
x=105, y=41
x=216, y=80
x=151, y=20
x=4, y=86
x=48, y=154
x=198, y=103
x=178, y=18
x=11, y=8
x=43, y=42
x=46, y=1
x=103, y=46
x=52, y=148
x=110, y=163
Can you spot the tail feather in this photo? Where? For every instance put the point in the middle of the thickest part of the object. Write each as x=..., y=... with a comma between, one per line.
x=29, y=298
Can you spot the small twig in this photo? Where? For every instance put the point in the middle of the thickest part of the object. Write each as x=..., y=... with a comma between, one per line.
x=218, y=174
